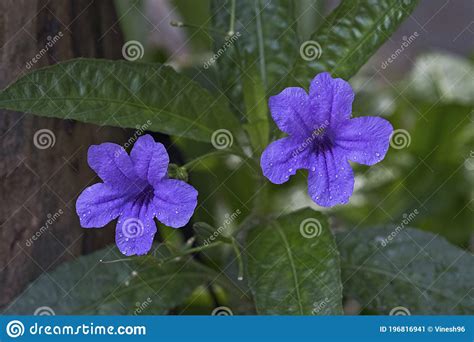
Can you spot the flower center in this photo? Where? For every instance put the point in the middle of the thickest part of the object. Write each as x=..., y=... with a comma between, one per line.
x=145, y=195
x=318, y=132
x=322, y=139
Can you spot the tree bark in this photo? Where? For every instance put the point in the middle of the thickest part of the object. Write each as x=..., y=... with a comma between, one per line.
x=39, y=187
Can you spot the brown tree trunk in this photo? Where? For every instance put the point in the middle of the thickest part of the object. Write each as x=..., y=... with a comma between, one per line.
x=37, y=185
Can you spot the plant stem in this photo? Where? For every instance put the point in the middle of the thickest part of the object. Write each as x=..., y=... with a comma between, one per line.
x=240, y=262
x=181, y=24
x=191, y=250
x=232, y=19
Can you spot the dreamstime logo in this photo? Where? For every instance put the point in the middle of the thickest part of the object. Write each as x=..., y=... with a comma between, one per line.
x=228, y=220
x=44, y=138
x=230, y=40
x=222, y=311
x=407, y=41
x=140, y=307
x=310, y=50
x=317, y=132
x=400, y=311
x=222, y=139
x=319, y=306
x=51, y=219
x=132, y=228
x=132, y=50
x=44, y=311
x=406, y=220
x=15, y=328
x=400, y=138
x=51, y=41
x=310, y=228
x=137, y=134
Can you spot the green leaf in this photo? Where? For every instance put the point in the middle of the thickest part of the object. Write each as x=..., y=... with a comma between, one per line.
x=414, y=269
x=256, y=112
x=350, y=35
x=265, y=48
x=293, y=266
x=120, y=93
x=140, y=285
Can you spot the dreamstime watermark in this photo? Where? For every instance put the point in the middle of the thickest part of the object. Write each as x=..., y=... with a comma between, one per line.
x=230, y=40
x=133, y=228
x=140, y=129
x=15, y=329
x=316, y=133
x=400, y=311
x=222, y=139
x=319, y=306
x=407, y=41
x=229, y=219
x=44, y=311
x=132, y=50
x=222, y=311
x=406, y=220
x=51, y=41
x=51, y=219
x=140, y=307
x=400, y=138
x=310, y=50
x=44, y=138
x=310, y=228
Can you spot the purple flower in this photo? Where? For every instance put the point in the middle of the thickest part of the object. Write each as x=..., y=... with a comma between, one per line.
x=136, y=189
x=322, y=138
